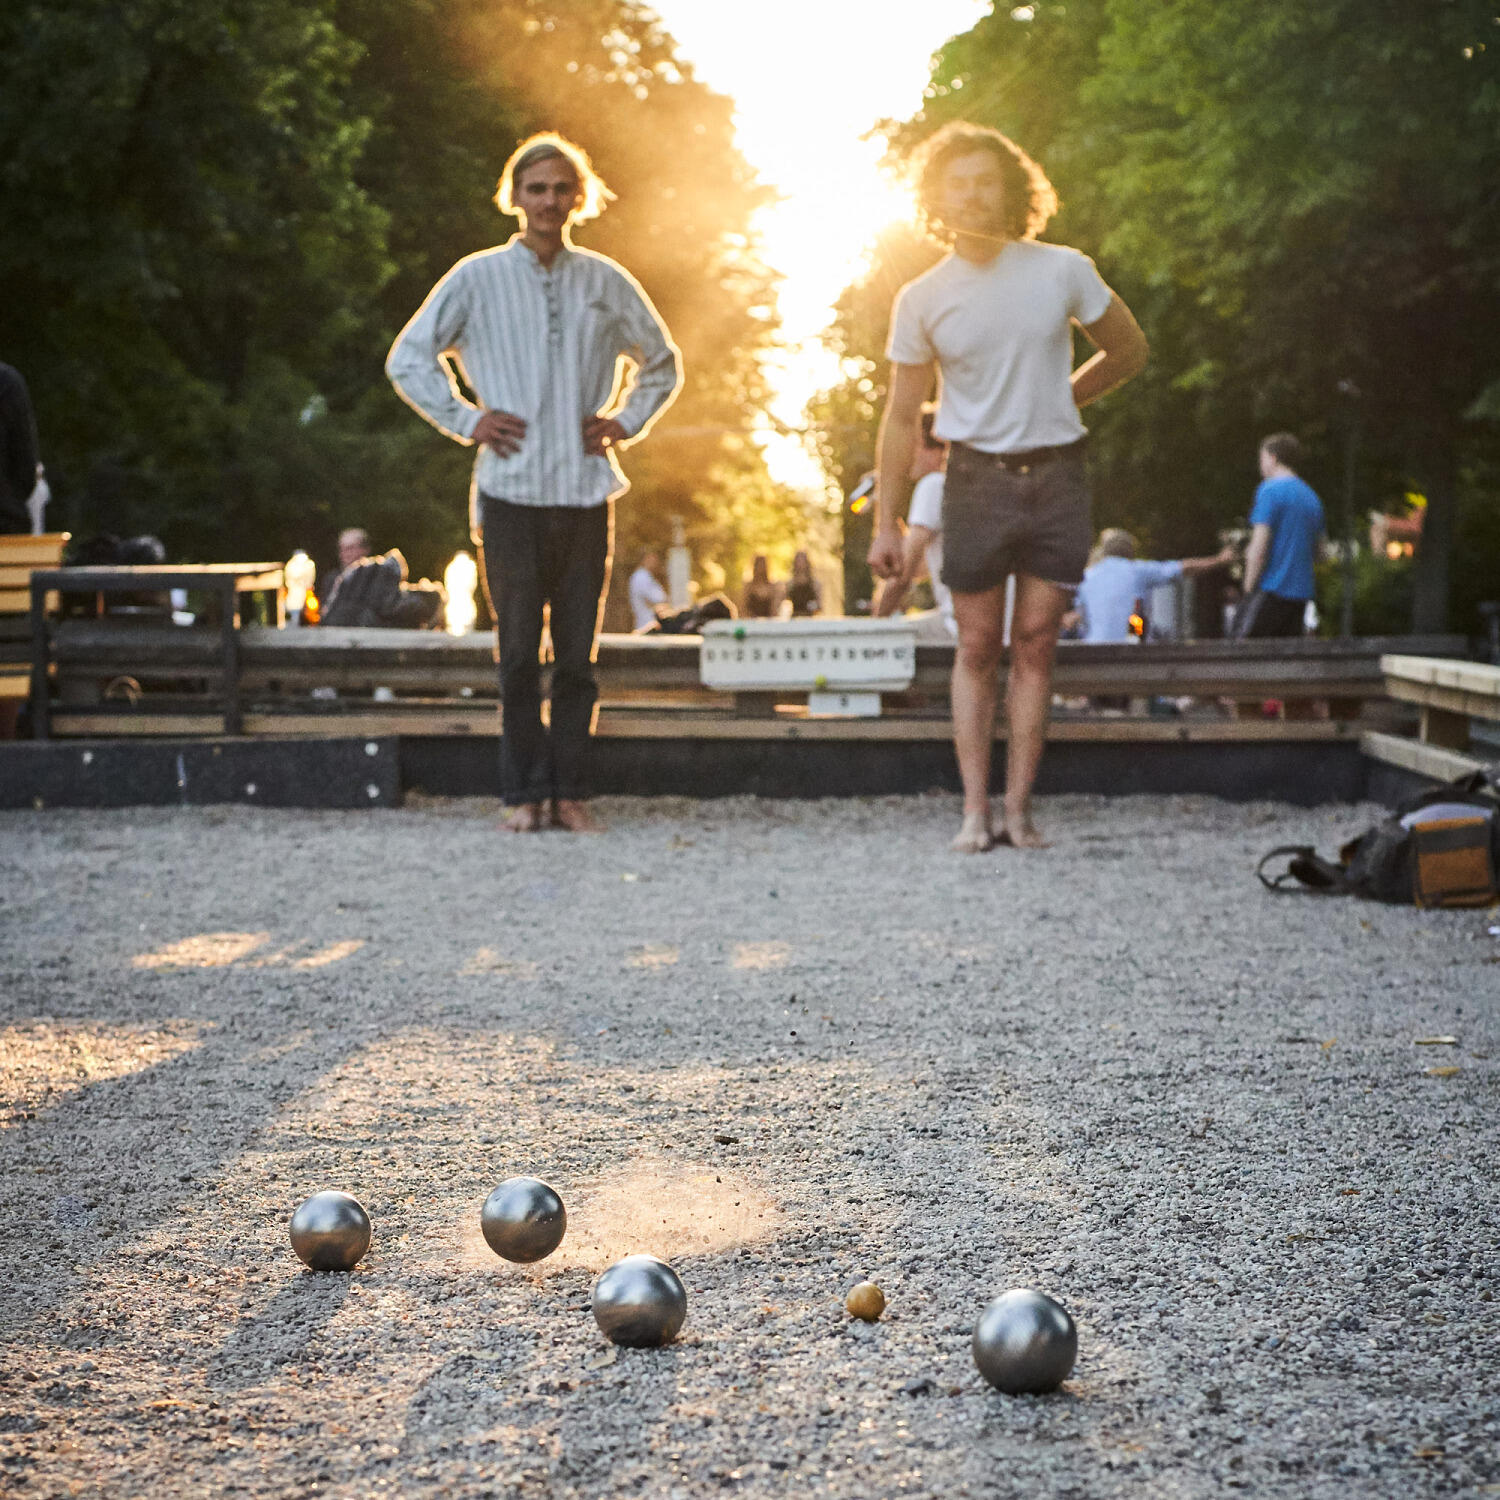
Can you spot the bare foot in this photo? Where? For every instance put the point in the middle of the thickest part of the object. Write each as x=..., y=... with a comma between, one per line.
x=1020, y=832
x=574, y=817
x=527, y=818
x=973, y=836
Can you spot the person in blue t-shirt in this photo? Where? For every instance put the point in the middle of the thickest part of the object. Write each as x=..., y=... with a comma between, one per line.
x=1286, y=526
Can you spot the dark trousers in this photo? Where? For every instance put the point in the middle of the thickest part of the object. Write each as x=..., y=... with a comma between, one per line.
x=552, y=560
x=1268, y=616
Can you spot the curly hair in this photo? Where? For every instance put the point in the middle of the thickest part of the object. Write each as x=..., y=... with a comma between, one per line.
x=548, y=145
x=1030, y=199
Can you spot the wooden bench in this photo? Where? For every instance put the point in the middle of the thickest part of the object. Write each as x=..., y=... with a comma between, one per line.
x=1450, y=695
x=20, y=556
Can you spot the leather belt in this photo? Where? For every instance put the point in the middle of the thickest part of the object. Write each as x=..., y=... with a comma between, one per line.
x=1027, y=459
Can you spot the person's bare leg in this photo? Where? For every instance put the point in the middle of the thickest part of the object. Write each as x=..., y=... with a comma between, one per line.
x=527, y=818
x=975, y=695
x=1028, y=700
x=575, y=816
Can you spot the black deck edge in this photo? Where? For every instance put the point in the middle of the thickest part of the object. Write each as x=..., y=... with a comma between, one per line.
x=1304, y=773
x=306, y=773
x=358, y=772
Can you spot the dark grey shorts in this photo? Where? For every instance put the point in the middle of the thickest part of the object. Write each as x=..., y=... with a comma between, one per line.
x=998, y=520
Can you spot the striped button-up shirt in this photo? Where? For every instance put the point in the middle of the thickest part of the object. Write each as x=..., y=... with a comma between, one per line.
x=548, y=345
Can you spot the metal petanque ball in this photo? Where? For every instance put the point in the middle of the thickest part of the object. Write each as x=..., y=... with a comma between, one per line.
x=523, y=1219
x=640, y=1302
x=1025, y=1343
x=331, y=1231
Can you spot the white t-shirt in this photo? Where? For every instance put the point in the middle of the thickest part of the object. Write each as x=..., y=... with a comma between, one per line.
x=926, y=509
x=1002, y=336
x=1109, y=590
x=645, y=594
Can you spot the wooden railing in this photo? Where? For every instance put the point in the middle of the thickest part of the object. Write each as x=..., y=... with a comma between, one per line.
x=440, y=684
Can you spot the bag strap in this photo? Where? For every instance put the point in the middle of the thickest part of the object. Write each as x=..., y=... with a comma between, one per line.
x=1312, y=874
x=1481, y=780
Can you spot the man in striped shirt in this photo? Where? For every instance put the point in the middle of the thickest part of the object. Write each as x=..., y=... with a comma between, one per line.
x=542, y=333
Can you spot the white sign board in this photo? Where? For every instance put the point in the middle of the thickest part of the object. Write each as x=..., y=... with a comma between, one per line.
x=812, y=655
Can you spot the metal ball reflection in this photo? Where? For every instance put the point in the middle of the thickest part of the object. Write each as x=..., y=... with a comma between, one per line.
x=523, y=1219
x=331, y=1231
x=1025, y=1343
x=640, y=1302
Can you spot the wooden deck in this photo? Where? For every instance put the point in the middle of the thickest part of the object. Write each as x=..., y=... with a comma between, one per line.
x=1449, y=697
x=1298, y=720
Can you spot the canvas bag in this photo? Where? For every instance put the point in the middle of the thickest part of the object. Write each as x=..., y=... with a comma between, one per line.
x=1441, y=848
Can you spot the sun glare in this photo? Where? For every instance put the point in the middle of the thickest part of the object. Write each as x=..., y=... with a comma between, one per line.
x=805, y=114
x=817, y=266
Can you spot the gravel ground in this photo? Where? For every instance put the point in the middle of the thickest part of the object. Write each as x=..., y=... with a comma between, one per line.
x=786, y=1046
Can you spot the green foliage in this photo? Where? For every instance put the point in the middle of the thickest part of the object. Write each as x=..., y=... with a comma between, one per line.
x=219, y=215
x=1476, y=546
x=1382, y=594
x=1289, y=197
x=183, y=249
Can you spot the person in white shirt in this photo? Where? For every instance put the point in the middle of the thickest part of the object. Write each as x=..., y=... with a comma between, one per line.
x=539, y=329
x=646, y=591
x=1116, y=579
x=923, y=546
x=994, y=320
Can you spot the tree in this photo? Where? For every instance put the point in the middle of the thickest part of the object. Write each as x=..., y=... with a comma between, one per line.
x=1292, y=199
x=1322, y=179
x=183, y=248
x=218, y=217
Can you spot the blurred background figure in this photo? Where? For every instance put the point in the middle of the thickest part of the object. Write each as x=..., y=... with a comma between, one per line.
x=1286, y=531
x=1117, y=584
x=802, y=590
x=374, y=591
x=923, y=543
x=20, y=464
x=646, y=591
x=354, y=545
x=762, y=597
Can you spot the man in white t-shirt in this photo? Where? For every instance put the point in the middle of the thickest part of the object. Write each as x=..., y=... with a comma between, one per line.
x=1116, y=579
x=994, y=320
x=646, y=591
x=923, y=546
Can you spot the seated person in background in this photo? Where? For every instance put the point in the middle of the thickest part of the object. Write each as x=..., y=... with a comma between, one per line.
x=802, y=590
x=374, y=591
x=923, y=542
x=354, y=544
x=1115, y=580
x=646, y=592
x=690, y=621
x=762, y=597
x=106, y=550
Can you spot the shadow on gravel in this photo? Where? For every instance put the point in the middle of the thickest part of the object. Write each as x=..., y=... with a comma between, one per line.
x=121, y=1158
x=279, y=1333
x=489, y=1408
